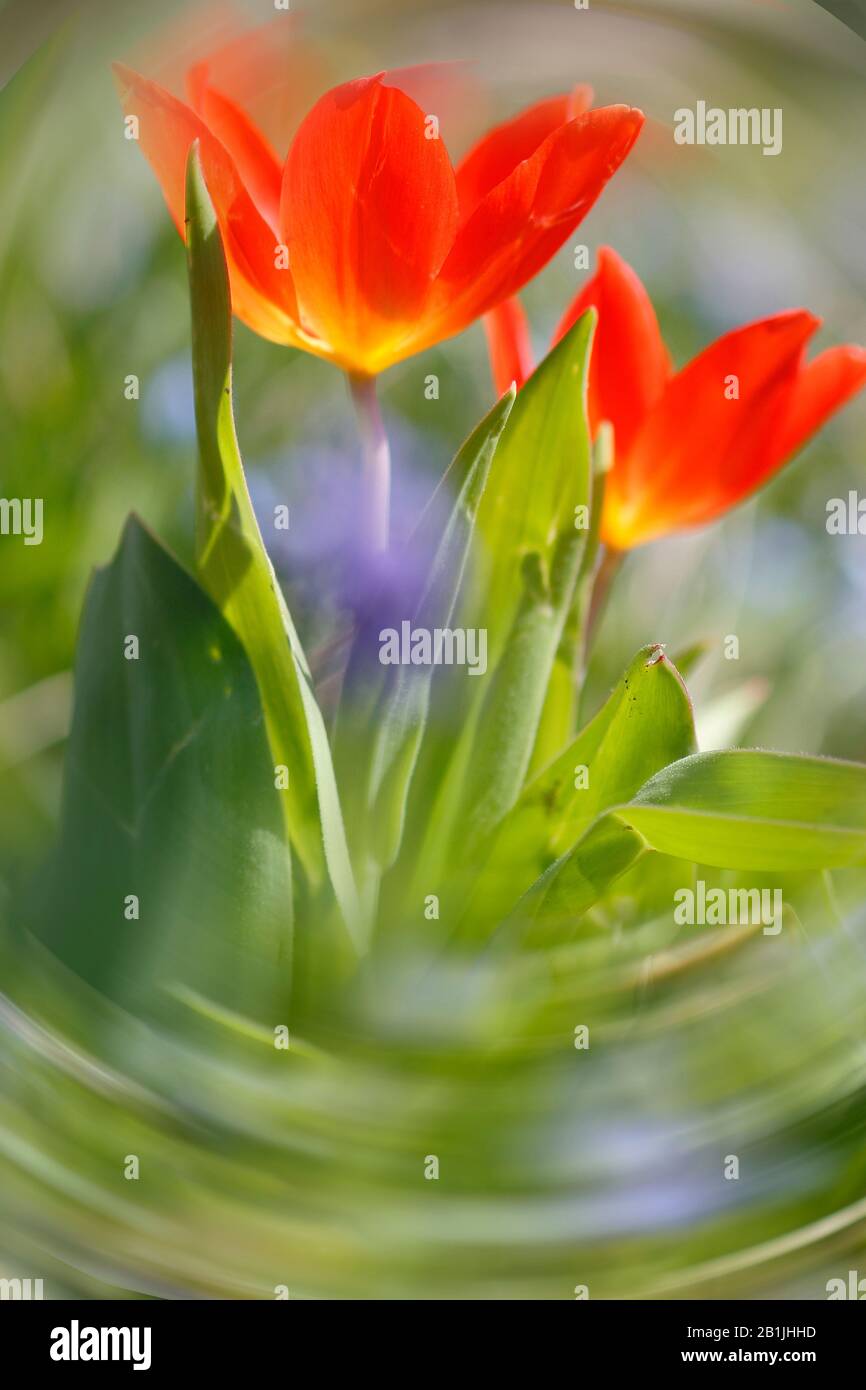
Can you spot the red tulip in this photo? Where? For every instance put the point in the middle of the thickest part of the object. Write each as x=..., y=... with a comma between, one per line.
x=688, y=445
x=365, y=245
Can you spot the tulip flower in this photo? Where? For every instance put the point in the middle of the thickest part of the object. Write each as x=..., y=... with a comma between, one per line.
x=690, y=444
x=364, y=245
x=388, y=248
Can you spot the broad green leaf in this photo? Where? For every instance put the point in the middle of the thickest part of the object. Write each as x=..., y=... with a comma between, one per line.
x=645, y=724
x=533, y=516
x=530, y=544
x=558, y=712
x=542, y=476
x=554, y=905
x=401, y=716
x=235, y=569
x=742, y=809
x=169, y=798
x=509, y=717
x=748, y=809
x=562, y=701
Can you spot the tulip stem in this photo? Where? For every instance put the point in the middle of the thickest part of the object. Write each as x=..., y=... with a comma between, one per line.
x=376, y=469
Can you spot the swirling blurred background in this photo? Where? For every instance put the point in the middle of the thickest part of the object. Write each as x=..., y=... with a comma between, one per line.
x=557, y=1167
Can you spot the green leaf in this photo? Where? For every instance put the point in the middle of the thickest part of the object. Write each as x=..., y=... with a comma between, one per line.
x=235, y=569
x=562, y=701
x=510, y=715
x=529, y=518
x=168, y=796
x=542, y=474
x=645, y=724
x=748, y=809
x=528, y=556
x=401, y=716
x=552, y=909
x=742, y=809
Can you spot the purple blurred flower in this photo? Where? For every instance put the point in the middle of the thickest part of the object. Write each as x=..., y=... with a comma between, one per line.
x=322, y=556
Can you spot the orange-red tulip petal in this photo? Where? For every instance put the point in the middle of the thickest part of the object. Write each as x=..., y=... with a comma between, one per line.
x=630, y=363
x=498, y=153
x=508, y=344
x=524, y=220
x=261, y=295
x=369, y=213
x=710, y=439
x=823, y=386
x=255, y=160
x=389, y=250
x=688, y=445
